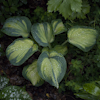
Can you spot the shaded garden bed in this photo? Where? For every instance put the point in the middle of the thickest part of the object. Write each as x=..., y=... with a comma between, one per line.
x=82, y=67
x=14, y=73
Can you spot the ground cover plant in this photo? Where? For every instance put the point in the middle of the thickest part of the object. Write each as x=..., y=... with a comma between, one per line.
x=82, y=66
x=12, y=92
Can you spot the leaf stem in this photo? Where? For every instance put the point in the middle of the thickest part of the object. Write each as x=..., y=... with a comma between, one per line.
x=64, y=42
x=68, y=75
x=31, y=37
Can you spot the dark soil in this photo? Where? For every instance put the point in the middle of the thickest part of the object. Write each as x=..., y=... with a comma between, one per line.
x=34, y=3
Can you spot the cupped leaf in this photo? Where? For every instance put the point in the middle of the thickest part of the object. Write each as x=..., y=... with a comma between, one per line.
x=87, y=96
x=58, y=48
x=58, y=26
x=61, y=49
x=42, y=33
x=92, y=89
x=14, y=93
x=17, y=26
x=45, y=49
x=51, y=67
x=3, y=82
x=30, y=73
x=82, y=37
x=20, y=50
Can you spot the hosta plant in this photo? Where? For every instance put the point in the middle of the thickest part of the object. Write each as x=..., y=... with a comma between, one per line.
x=51, y=65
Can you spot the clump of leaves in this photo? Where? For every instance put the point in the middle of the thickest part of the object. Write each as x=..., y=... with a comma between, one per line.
x=40, y=15
x=91, y=91
x=3, y=82
x=51, y=65
x=74, y=86
x=74, y=75
x=12, y=92
x=76, y=67
x=69, y=9
x=78, y=82
x=9, y=8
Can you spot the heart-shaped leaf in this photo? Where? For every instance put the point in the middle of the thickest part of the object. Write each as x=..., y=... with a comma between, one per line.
x=58, y=26
x=14, y=93
x=82, y=37
x=17, y=26
x=3, y=82
x=92, y=89
x=30, y=73
x=42, y=33
x=20, y=50
x=51, y=67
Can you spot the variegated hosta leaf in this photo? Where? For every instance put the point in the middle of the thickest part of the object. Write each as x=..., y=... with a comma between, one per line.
x=82, y=37
x=52, y=67
x=20, y=50
x=58, y=48
x=17, y=26
x=58, y=26
x=45, y=49
x=30, y=73
x=42, y=33
x=61, y=49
